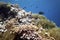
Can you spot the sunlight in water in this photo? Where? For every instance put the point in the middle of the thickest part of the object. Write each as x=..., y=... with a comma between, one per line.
x=16, y=0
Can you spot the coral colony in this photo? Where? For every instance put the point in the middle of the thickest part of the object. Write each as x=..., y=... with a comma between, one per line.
x=17, y=24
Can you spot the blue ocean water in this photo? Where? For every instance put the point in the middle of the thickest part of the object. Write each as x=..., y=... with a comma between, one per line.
x=51, y=8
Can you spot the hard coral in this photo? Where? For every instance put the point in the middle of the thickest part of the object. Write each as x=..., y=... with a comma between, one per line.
x=22, y=25
x=27, y=35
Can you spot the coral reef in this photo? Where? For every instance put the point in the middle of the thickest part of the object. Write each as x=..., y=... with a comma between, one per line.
x=17, y=24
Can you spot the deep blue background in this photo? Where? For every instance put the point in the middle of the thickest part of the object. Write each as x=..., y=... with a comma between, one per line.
x=51, y=8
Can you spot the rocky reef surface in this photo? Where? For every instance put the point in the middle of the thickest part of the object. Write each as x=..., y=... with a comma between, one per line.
x=17, y=24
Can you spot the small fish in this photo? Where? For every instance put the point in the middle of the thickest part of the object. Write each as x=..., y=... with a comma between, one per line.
x=41, y=12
